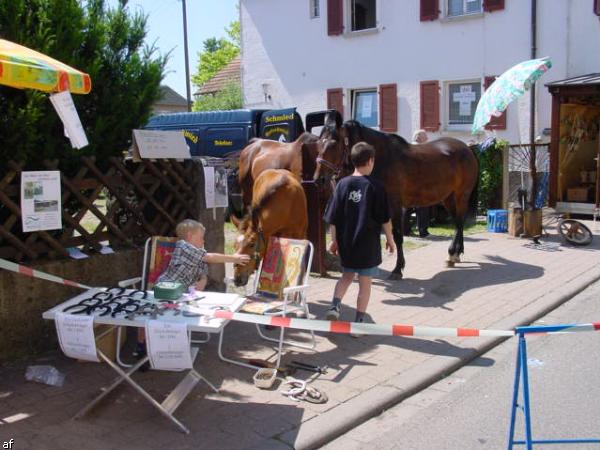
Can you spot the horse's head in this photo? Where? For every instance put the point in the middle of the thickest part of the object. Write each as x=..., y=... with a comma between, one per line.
x=334, y=149
x=249, y=242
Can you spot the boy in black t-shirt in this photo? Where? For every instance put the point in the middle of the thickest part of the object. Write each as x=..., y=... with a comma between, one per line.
x=357, y=211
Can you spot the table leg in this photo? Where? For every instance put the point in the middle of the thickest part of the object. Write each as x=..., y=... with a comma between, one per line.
x=126, y=376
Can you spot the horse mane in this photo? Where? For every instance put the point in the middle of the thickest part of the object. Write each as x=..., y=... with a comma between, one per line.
x=266, y=195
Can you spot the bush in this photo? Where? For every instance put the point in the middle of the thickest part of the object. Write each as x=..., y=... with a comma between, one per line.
x=489, y=157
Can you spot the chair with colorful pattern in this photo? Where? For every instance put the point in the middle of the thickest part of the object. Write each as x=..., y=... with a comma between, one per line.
x=279, y=289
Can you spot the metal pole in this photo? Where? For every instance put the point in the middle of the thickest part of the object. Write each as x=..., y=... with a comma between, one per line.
x=187, y=64
x=515, y=399
x=532, y=154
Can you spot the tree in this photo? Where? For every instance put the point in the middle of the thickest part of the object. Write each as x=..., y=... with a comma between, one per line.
x=108, y=44
x=216, y=54
x=230, y=97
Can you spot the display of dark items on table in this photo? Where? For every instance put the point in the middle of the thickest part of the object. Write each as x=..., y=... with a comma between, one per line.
x=115, y=301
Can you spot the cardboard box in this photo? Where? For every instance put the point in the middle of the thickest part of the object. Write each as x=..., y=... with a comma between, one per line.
x=579, y=194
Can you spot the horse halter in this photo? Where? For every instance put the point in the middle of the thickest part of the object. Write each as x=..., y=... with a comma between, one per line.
x=336, y=169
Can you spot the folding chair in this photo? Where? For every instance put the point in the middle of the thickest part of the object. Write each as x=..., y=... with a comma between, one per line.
x=157, y=255
x=279, y=289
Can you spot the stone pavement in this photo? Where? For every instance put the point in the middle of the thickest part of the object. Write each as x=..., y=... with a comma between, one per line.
x=503, y=282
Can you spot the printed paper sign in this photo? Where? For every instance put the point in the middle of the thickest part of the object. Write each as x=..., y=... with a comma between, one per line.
x=168, y=345
x=367, y=106
x=152, y=144
x=64, y=106
x=215, y=187
x=76, y=336
x=41, y=207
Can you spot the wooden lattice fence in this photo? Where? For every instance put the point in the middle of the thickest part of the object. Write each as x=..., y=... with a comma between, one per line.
x=119, y=205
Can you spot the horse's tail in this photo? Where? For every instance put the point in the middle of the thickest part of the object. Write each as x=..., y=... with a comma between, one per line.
x=473, y=198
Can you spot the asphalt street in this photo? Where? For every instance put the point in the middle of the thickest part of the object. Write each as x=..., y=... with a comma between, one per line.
x=470, y=409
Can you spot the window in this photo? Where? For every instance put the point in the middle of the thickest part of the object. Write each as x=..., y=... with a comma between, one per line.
x=461, y=102
x=363, y=14
x=463, y=7
x=315, y=11
x=365, y=107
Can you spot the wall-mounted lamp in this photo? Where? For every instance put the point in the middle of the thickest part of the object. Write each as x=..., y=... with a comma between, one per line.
x=265, y=88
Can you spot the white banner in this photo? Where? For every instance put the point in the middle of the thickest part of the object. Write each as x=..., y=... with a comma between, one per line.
x=41, y=207
x=76, y=336
x=168, y=345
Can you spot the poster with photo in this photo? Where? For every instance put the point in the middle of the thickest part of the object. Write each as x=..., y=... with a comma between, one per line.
x=41, y=207
x=215, y=186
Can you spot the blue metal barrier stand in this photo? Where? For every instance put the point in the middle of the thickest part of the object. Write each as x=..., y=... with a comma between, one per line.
x=515, y=400
x=522, y=370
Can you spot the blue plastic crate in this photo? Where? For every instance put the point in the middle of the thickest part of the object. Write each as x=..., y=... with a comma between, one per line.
x=497, y=220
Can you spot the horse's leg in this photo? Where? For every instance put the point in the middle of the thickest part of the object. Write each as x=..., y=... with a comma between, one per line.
x=450, y=205
x=397, y=231
x=462, y=209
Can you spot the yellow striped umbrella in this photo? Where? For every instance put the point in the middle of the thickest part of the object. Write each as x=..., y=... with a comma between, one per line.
x=23, y=68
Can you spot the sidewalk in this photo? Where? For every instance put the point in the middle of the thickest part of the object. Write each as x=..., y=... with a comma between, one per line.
x=504, y=282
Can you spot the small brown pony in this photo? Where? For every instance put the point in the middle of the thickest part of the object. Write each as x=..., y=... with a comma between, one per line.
x=278, y=208
x=299, y=157
x=444, y=170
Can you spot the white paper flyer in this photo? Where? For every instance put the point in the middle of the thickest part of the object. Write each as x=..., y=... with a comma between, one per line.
x=168, y=345
x=41, y=207
x=76, y=336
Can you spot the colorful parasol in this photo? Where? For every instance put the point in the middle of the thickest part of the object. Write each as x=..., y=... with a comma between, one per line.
x=508, y=87
x=23, y=68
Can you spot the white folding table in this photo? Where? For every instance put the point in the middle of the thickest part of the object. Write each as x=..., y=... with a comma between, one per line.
x=207, y=301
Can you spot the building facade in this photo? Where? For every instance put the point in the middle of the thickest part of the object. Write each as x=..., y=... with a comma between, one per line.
x=400, y=65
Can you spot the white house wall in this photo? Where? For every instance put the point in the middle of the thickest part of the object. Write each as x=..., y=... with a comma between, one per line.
x=296, y=61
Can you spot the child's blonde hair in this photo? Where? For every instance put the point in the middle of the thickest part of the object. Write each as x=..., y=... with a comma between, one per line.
x=187, y=226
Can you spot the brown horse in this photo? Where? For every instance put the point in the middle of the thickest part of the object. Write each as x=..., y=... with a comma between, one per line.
x=444, y=170
x=278, y=208
x=299, y=157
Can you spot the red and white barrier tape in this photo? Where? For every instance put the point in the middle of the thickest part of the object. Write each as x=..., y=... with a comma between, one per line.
x=24, y=270
x=359, y=328
x=334, y=326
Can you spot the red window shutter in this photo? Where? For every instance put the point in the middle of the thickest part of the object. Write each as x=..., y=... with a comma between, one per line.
x=493, y=5
x=335, y=100
x=335, y=17
x=430, y=10
x=597, y=7
x=430, y=105
x=495, y=123
x=388, y=108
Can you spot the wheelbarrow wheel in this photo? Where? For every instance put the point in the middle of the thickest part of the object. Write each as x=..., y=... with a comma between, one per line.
x=574, y=232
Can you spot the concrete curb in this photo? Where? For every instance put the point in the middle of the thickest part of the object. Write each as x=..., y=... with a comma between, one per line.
x=329, y=426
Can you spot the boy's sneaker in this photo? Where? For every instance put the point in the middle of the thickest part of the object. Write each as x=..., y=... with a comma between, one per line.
x=357, y=335
x=333, y=313
x=140, y=353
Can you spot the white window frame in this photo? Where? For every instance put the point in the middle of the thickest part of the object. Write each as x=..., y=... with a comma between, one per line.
x=353, y=93
x=314, y=9
x=348, y=19
x=471, y=14
x=446, y=99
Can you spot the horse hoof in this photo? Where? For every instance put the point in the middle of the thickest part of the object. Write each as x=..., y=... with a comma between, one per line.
x=394, y=276
x=449, y=263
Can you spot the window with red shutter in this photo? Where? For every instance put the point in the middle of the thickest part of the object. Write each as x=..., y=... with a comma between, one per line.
x=495, y=123
x=493, y=5
x=335, y=100
x=597, y=7
x=430, y=10
x=430, y=105
x=335, y=17
x=388, y=107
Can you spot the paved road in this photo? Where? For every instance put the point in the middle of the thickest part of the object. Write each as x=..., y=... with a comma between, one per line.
x=470, y=409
